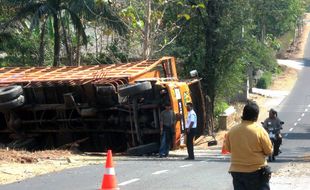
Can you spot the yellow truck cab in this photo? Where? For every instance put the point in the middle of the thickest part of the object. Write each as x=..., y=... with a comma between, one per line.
x=99, y=106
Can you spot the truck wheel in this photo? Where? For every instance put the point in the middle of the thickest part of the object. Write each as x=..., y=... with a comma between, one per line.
x=13, y=103
x=10, y=93
x=134, y=89
x=105, y=90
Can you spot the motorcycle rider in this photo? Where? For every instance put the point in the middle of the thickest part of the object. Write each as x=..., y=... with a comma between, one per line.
x=274, y=122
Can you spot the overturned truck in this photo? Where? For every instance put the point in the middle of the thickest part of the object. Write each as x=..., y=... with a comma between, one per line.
x=98, y=106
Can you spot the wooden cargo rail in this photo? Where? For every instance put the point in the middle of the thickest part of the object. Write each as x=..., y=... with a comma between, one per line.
x=76, y=75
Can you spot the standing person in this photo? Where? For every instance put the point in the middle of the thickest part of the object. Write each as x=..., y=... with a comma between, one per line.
x=190, y=127
x=249, y=144
x=274, y=121
x=167, y=123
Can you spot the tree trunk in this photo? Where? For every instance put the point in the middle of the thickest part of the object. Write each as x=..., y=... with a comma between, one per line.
x=78, y=45
x=68, y=49
x=78, y=49
x=96, y=39
x=147, y=31
x=210, y=59
x=42, y=45
x=56, y=41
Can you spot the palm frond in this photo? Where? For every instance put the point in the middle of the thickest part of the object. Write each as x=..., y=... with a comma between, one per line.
x=39, y=13
x=22, y=13
x=84, y=7
x=78, y=25
x=90, y=10
x=112, y=20
x=5, y=37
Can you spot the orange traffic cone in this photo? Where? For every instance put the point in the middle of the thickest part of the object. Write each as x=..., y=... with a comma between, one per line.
x=109, y=180
x=224, y=151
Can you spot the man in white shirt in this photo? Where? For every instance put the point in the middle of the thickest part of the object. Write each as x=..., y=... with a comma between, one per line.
x=191, y=124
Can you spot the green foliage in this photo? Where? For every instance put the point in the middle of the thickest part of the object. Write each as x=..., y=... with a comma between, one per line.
x=222, y=39
x=265, y=81
x=62, y=22
x=260, y=56
x=306, y=5
x=220, y=107
x=20, y=49
x=276, y=17
x=164, y=24
x=112, y=54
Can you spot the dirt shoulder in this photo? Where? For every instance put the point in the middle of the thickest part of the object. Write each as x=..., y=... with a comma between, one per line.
x=19, y=165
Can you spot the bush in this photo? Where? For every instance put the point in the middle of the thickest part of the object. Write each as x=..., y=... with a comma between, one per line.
x=265, y=81
x=220, y=107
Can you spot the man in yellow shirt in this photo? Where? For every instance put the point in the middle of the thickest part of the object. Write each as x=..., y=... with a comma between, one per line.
x=249, y=144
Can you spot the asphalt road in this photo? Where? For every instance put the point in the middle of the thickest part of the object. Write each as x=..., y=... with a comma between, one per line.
x=209, y=171
x=295, y=112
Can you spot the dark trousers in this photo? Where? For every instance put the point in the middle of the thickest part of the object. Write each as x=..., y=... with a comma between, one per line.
x=249, y=181
x=189, y=142
x=166, y=139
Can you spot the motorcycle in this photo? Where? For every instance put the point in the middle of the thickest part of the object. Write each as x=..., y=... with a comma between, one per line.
x=275, y=138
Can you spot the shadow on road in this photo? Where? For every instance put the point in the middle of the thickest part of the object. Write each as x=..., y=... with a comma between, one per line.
x=306, y=62
x=296, y=136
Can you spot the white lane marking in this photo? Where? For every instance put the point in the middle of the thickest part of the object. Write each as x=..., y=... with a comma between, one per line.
x=295, y=124
x=298, y=119
x=306, y=110
x=303, y=114
x=187, y=165
x=291, y=129
x=309, y=105
x=129, y=181
x=160, y=172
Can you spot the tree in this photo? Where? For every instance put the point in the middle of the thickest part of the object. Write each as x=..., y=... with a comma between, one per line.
x=275, y=17
x=98, y=14
x=40, y=11
x=59, y=12
x=213, y=42
x=152, y=26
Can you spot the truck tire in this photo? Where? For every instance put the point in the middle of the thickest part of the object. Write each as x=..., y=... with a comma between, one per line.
x=105, y=90
x=134, y=89
x=10, y=93
x=13, y=103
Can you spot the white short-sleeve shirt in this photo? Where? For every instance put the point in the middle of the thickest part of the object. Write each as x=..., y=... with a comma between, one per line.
x=191, y=117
